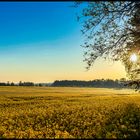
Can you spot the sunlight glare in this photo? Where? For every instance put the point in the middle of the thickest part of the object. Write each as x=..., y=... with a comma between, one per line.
x=133, y=57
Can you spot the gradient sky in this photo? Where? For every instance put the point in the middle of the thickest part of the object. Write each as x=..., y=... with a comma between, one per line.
x=40, y=42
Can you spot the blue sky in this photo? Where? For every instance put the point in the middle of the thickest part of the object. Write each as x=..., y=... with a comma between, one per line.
x=40, y=42
x=27, y=22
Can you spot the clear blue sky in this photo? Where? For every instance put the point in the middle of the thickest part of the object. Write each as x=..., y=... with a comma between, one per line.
x=40, y=42
x=27, y=22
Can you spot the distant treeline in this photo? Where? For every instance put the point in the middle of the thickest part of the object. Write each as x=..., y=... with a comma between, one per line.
x=101, y=83
x=22, y=84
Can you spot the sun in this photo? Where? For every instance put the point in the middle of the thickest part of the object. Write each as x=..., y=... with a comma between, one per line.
x=133, y=57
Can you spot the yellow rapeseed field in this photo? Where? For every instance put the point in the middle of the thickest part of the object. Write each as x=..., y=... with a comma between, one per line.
x=52, y=112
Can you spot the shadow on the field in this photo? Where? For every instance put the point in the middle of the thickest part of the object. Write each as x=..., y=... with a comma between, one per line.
x=124, y=122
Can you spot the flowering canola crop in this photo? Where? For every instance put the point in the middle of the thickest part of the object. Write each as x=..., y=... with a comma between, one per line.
x=48, y=112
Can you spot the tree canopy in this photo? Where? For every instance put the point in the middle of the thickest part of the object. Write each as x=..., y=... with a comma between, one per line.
x=112, y=30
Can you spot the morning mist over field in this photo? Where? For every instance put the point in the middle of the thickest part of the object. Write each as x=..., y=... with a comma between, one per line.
x=40, y=42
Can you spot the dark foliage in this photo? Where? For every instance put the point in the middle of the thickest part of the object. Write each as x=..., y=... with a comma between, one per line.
x=112, y=30
x=94, y=83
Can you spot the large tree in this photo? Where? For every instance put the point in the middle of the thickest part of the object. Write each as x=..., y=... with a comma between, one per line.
x=112, y=30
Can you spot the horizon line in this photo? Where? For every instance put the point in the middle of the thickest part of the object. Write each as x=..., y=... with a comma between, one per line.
x=64, y=80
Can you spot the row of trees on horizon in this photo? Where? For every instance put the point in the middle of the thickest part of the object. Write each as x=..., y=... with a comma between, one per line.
x=20, y=84
x=107, y=83
x=99, y=83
